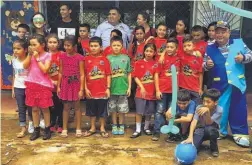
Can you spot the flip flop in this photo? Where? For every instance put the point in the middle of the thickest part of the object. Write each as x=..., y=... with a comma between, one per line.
x=104, y=134
x=64, y=133
x=88, y=133
x=78, y=133
x=21, y=134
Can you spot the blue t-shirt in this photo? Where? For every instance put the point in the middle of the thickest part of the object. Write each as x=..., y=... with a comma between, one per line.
x=215, y=116
x=190, y=109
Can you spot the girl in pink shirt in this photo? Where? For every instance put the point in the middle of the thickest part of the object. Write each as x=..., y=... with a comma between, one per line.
x=38, y=84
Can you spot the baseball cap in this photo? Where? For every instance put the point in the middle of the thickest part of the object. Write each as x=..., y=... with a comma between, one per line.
x=222, y=24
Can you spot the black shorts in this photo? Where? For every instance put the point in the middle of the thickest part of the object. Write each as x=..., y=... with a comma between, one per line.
x=96, y=107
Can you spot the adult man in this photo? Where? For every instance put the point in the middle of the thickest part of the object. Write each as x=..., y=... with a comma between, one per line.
x=65, y=26
x=113, y=22
x=225, y=61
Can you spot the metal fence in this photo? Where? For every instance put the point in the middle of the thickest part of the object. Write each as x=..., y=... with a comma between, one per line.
x=95, y=12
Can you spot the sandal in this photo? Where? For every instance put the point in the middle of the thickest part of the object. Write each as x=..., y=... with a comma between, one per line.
x=147, y=132
x=64, y=133
x=135, y=135
x=88, y=133
x=78, y=133
x=21, y=134
x=104, y=134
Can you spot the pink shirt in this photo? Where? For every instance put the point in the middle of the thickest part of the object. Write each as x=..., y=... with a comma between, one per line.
x=35, y=75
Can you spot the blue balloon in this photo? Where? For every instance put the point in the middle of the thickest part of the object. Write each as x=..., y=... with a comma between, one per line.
x=185, y=153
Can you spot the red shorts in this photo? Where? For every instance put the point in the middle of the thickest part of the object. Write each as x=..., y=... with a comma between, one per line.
x=38, y=95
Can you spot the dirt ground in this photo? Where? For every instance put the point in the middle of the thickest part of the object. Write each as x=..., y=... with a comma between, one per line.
x=95, y=150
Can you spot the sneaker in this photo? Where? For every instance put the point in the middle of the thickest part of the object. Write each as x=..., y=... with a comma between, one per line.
x=121, y=130
x=59, y=130
x=241, y=141
x=155, y=136
x=47, y=134
x=52, y=129
x=30, y=127
x=42, y=123
x=114, y=130
x=215, y=153
x=35, y=134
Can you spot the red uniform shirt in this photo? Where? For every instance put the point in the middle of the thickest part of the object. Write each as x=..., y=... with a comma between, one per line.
x=201, y=47
x=85, y=46
x=144, y=71
x=160, y=44
x=96, y=71
x=191, y=67
x=54, y=68
x=165, y=75
x=108, y=50
x=138, y=54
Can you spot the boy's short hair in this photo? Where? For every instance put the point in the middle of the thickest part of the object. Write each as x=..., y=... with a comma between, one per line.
x=86, y=25
x=118, y=32
x=68, y=5
x=212, y=24
x=196, y=28
x=116, y=38
x=187, y=38
x=173, y=40
x=213, y=94
x=184, y=95
x=24, y=26
x=96, y=39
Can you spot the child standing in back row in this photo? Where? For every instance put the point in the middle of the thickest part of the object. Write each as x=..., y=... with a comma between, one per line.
x=120, y=85
x=71, y=83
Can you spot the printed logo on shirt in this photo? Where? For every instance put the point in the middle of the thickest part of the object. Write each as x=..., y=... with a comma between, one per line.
x=63, y=32
x=155, y=65
x=22, y=72
x=123, y=60
x=148, y=78
x=162, y=48
x=96, y=73
x=139, y=56
x=187, y=70
x=89, y=61
x=101, y=62
x=117, y=71
x=54, y=70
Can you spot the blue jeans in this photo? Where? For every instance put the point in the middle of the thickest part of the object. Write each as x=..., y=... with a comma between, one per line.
x=20, y=98
x=161, y=108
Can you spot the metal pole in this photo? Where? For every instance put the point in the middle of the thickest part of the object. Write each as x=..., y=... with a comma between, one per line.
x=81, y=12
x=154, y=13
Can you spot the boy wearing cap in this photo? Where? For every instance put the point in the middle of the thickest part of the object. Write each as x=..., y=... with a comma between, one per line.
x=225, y=61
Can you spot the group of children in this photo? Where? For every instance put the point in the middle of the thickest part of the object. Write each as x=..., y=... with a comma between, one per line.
x=50, y=80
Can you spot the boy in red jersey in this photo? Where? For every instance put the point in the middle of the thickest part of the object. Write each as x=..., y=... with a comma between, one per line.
x=97, y=86
x=191, y=76
x=164, y=87
x=199, y=44
x=83, y=40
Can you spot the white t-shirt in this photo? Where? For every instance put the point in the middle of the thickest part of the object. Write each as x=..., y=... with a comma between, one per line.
x=20, y=73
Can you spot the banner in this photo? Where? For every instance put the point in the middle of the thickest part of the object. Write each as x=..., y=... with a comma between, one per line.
x=12, y=14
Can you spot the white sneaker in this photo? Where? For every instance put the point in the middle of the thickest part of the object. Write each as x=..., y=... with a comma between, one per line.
x=30, y=127
x=42, y=123
x=241, y=141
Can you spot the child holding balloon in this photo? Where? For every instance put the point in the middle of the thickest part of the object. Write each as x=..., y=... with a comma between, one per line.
x=206, y=122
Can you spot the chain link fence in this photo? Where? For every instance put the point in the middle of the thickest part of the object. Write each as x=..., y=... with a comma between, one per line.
x=95, y=12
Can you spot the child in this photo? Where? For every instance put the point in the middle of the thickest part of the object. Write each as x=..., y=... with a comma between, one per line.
x=71, y=83
x=39, y=25
x=57, y=110
x=191, y=76
x=135, y=54
x=160, y=40
x=23, y=31
x=211, y=33
x=182, y=28
x=20, y=48
x=97, y=86
x=83, y=39
x=206, y=122
x=108, y=50
x=199, y=44
x=164, y=87
x=145, y=72
x=38, y=84
x=120, y=85
x=184, y=115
